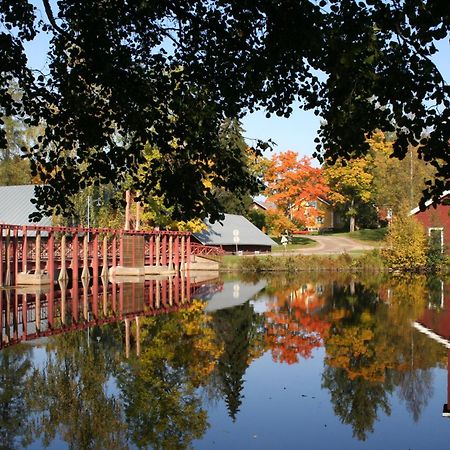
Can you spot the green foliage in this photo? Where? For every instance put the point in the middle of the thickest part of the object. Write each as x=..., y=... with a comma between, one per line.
x=125, y=75
x=371, y=261
x=258, y=218
x=405, y=245
x=436, y=255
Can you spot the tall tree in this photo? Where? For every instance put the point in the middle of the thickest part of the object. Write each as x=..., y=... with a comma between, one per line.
x=292, y=183
x=122, y=75
x=397, y=185
x=350, y=185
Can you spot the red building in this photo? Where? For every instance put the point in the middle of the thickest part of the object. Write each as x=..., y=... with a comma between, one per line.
x=436, y=220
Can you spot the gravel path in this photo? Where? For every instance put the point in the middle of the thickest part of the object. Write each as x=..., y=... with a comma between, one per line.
x=327, y=245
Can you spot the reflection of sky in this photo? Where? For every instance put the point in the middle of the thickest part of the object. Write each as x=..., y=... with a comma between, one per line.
x=284, y=407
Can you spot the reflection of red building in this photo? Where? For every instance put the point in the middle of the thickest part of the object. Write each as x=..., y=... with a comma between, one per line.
x=435, y=323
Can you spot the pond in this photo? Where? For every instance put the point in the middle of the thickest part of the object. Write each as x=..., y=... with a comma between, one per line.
x=314, y=361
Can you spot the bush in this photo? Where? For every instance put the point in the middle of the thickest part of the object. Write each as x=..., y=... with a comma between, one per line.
x=406, y=245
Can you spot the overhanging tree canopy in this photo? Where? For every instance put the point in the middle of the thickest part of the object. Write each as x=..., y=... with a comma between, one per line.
x=123, y=74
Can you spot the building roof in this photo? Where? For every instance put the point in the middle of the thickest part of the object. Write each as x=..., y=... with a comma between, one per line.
x=16, y=206
x=264, y=204
x=234, y=293
x=223, y=233
x=428, y=203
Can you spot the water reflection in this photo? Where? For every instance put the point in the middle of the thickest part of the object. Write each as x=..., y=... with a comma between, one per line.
x=142, y=365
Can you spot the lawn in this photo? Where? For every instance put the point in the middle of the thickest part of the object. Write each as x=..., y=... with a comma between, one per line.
x=373, y=236
x=298, y=242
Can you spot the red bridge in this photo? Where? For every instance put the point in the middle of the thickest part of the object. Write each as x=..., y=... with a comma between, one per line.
x=67, y=252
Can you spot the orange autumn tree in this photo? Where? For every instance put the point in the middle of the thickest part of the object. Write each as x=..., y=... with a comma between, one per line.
x=294, y=325
x=291, y=183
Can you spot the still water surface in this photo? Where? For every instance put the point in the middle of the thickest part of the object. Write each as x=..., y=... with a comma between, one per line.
x=302, y=362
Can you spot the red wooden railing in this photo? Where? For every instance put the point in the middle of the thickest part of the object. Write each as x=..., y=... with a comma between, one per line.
x=55, y=249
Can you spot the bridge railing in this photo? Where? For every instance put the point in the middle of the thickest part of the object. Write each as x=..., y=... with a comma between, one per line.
x=35, y=248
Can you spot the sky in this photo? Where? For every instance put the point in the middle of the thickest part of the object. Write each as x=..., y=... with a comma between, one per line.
x=295, y=133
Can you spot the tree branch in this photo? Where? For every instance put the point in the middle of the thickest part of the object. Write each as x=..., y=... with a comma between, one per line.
x=51, y=18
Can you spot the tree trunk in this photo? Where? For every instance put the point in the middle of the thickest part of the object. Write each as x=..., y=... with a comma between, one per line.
x=352, y=224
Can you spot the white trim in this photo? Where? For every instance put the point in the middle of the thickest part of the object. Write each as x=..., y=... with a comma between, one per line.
x=428, y=203
x=431, y=334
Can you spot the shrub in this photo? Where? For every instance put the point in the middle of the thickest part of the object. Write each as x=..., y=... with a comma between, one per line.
x=406, y=245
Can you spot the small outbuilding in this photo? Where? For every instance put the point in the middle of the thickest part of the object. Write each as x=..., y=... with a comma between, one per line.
x=235, y=233
x=436, y=220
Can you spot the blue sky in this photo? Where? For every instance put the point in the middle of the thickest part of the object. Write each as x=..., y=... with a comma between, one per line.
x=294, y=133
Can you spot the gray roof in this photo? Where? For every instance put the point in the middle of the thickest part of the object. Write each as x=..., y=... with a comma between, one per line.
x=223, y=233
x=15, y=206
x=234, y=293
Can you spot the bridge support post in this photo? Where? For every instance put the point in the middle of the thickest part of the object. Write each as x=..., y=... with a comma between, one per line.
x=51, y=256
x=157, y=249
x=183, y=253
x=63, y=270
x=170, y=262
x=95, y=263
x=15, y=255
x=104, y=273
x=8, y=259
x=164, y=251
x=63, y=288
x=75, y=255
x=85, y=271
x=176, y=253
x=1, y=257
x=24, y=249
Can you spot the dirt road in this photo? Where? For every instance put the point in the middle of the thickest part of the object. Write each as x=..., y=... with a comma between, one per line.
x=327, y=245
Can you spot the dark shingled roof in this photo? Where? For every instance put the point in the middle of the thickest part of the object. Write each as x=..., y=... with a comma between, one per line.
x=15, y=206
x=222, y=233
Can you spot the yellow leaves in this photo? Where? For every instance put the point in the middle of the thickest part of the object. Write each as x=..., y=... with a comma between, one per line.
x=405, y=245
x=193, y=225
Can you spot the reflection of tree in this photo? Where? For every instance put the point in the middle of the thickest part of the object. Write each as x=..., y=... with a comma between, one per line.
x=69, y=396
x=159, y=389
x=14, y=369
x=415, y=388
x=356, y=401
x=236, y=329
x=416, y=353
x=372, y=347
x=293, y=325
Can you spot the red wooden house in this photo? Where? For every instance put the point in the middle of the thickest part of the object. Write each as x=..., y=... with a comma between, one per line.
x=436, y=220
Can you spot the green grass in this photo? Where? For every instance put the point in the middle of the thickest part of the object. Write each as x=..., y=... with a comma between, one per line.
x=298, y=242
x=368, y=236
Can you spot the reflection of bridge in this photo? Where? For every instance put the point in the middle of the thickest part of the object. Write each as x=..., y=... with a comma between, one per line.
x=33, y=312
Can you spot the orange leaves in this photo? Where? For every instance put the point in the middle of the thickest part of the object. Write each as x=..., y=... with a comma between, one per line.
x=292, y=182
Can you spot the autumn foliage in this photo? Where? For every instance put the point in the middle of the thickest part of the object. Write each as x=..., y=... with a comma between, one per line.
x=293, y=330
x=292, y=183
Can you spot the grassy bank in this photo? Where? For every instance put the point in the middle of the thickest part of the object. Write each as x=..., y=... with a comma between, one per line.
x=297, y=243
x=373, y=237
x=367, y=261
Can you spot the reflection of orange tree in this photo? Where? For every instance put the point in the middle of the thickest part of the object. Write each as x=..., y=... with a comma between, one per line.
x=293, y=325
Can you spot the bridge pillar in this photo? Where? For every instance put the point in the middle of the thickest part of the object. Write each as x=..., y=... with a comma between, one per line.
x=63, y=270
x=1, y=256
x=75, y=255
x=85, y=271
